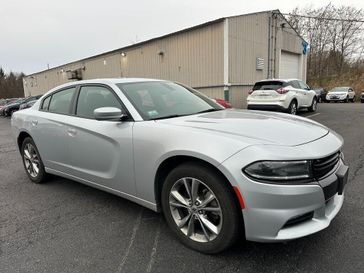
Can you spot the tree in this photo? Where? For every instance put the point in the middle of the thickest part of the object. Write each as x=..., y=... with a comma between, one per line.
x=335, y=39
x=11, y=85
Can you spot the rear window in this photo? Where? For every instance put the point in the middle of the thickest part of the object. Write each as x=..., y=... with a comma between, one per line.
x=269, y=85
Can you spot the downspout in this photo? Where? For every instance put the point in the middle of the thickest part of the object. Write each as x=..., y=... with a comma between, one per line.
x=269, y=45
x=275, y=43
x=226, y=60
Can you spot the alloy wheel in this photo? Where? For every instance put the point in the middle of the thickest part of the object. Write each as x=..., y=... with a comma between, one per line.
x=31, y=160
x=195, y=209
x=293, y=109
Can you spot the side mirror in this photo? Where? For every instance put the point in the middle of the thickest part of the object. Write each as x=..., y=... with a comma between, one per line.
x=108, y=113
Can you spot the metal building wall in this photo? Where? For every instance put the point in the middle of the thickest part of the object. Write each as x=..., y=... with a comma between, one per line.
x=193, y=57
x=253, y=36
x=248, y=39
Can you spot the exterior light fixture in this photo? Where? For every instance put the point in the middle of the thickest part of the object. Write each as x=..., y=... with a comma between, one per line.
x=123, y=54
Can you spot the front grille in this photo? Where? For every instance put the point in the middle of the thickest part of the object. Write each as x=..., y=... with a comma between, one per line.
x=323, y=166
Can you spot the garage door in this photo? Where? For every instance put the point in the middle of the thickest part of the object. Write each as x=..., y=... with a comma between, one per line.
x=289, y=66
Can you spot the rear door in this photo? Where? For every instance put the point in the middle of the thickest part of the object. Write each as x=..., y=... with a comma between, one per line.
x=101, y=152
x=351, y=93
x=49, y=128
x=303, y=94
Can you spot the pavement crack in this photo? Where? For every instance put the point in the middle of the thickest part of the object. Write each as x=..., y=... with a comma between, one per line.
x=135, y=229
x=154, y=249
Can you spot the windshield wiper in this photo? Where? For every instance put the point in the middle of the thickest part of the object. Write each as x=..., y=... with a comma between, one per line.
x=176, y=116
x=208, y=110
x=170, y=116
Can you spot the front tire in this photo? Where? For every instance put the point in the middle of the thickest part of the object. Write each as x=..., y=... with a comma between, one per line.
x=313, y=106
x=32, y=162
x=200, y=208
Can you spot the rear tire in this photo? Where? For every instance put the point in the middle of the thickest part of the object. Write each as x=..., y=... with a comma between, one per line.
x=292, y=108
x=313, y=106
x=188, y=219
x=32, y=162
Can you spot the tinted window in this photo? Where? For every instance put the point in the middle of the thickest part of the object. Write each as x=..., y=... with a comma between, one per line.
x=303, y=85
x=269, y=85
x=61, y=101
x=295, y=84
x=46, y=103
x=93, y=97
x=155, y=100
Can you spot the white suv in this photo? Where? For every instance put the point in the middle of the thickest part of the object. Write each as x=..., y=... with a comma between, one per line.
x=283, y=95
x=345, y=94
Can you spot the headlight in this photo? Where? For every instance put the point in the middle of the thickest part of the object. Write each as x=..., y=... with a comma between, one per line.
x=279, y=170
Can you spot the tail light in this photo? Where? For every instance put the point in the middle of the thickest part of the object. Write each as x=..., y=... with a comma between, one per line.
x=251, y=91
x=282, y=90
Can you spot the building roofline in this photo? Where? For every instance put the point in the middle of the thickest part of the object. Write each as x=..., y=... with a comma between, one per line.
x=162, y=37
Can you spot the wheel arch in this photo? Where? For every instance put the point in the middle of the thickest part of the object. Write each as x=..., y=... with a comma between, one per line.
x=22, y=135
x=168, y=164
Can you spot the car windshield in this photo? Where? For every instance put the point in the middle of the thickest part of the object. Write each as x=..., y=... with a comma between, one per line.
x=268, y=85
x=158, y=100
x=339, y=89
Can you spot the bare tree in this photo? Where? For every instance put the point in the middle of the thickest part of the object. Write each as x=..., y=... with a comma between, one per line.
x=334, y=35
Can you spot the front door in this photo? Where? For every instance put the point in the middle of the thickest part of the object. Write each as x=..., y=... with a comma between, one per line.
x=101, y=152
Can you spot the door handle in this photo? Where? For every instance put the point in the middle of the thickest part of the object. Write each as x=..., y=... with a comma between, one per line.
x=71, y=132
x=34, y=122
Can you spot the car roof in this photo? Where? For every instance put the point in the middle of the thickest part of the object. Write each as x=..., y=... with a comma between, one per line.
x=279, y=80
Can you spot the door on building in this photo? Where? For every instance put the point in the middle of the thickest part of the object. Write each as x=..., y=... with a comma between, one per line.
x=290, y=66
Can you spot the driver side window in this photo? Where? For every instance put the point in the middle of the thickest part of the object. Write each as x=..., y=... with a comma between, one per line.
x=93, y=97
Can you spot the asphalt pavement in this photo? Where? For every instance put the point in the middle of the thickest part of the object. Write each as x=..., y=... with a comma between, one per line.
x=64, y=226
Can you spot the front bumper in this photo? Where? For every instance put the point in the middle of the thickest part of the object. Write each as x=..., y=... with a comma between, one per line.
x=291, y=212
x=277, y=212
x=341, y=98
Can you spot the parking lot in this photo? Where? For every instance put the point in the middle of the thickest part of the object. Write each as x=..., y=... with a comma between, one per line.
x=64, y=226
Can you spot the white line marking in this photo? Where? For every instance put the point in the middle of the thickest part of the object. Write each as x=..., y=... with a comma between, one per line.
x=313, y=115
x=135, y=229
x=154, y=249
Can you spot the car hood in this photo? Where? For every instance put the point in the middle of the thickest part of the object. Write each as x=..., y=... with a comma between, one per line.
x=257, y=126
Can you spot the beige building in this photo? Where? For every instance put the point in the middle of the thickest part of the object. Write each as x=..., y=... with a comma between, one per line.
x=221, y=58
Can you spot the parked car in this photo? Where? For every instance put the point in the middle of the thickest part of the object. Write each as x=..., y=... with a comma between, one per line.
x=223, y=103
x=30, y=103
x=362, y=97
x=214, y=172
x=13, y=107
x=344, y=94
x=282, y=95
x=320, y=94
x=8, y=102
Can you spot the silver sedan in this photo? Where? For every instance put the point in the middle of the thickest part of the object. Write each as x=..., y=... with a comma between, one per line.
x=214, y=173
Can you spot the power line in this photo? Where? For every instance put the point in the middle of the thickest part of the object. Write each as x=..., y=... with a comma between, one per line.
x=324, y=18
